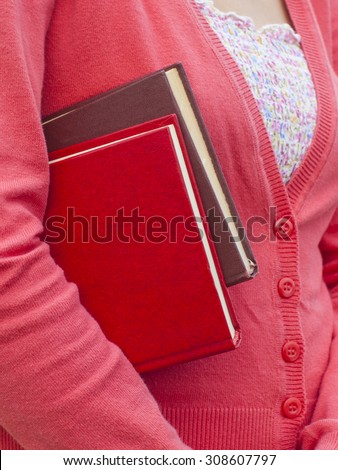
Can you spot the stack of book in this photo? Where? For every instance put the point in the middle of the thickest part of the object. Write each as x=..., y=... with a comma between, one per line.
x=135, y=190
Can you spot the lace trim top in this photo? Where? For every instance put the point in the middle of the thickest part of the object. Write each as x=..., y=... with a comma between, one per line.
x=272, y=61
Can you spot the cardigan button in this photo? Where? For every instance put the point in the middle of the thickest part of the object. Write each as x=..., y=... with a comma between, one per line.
x=286, y=287
x=284, y=227
x=291, y=351
x=292, y=408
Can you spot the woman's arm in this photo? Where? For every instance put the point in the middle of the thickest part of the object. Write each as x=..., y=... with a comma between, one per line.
x=322, y=433
x=62, y=384
x=334, y=10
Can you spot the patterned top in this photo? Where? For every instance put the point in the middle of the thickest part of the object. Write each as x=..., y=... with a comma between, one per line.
x=272, y=61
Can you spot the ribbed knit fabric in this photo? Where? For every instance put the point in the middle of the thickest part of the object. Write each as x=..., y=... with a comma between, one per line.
x=329, y=441
x=321, y=436
x=7, y=441
x=62, y=384
x=211, y=428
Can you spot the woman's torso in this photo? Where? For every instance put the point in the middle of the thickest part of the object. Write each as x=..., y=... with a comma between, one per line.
x=234, y=400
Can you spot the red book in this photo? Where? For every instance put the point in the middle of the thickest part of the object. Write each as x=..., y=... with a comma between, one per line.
x=125, y=221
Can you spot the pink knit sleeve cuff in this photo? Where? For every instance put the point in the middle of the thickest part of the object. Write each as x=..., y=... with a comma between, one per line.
x=328, y=441
x=320, y=435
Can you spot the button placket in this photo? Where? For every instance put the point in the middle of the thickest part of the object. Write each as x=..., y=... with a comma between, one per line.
x=291, y=350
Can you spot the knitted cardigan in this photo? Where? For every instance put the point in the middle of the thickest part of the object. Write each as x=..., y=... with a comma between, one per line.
x=62, y=384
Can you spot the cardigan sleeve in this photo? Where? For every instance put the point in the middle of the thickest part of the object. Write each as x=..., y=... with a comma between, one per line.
x=334, y=16
x=62, y=384
x=322, y=432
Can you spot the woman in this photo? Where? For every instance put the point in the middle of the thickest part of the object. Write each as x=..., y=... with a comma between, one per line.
x=62, y=384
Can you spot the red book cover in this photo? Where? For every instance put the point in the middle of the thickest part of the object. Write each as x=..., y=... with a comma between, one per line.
x=125, y=222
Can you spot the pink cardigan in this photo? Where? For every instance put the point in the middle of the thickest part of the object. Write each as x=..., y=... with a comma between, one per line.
x=62, y=384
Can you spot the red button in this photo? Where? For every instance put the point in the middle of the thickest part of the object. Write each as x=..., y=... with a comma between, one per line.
x=284, y=227
x=291, y=351
x=292, y=408
x=286, y=287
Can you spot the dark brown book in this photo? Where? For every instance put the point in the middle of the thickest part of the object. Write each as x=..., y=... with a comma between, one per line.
x=161, y=93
